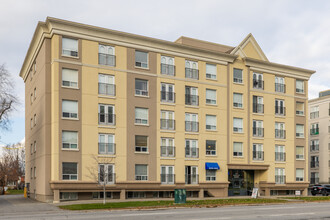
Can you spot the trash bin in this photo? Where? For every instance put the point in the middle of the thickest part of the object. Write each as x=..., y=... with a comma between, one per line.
x=180, y=196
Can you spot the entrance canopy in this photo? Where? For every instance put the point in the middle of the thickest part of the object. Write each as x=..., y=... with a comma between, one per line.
x=212, y=166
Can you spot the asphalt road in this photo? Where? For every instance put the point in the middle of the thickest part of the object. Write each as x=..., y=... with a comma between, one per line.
x=16, y=207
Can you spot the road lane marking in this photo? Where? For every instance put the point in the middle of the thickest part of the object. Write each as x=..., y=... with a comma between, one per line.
x=295, y=214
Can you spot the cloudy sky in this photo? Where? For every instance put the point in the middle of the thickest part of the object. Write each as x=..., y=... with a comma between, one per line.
x=294, y=32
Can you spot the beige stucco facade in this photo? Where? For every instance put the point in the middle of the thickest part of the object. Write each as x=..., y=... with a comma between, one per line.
x=46, y=51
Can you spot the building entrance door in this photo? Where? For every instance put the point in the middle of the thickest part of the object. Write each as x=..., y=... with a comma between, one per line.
x=241, y=182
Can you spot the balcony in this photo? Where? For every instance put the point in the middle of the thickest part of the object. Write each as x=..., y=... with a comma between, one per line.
x=167, y=97
x=167, y=178
x=167, y=151
x=279, y=179
x=280, y=156
x=140, y=92
x=314, y=147
x=192, y=152
x=105, y=178
x=107, y=59
x=258, y=108
x=192, y=73
x=167, y=69
x=167, y=124
x=238, y=80
x=141, y=177
x=280, y=87
x=192, y=126
x=192, y=100
x=314, y=180
x=107, y=89
x=107, y=119
x=107, y=148
x=314, y=115
x=258, y=155
x=314, y=131
x=258, y=84
x=279, y=133
x=280, y=110
x=258, y=132
x=191, y=178
x=315, y=164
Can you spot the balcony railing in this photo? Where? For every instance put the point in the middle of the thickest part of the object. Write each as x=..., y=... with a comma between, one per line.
x=141, y=92
x=71, y=53
x=167, y=124
x=167, y=69
x=141, y=177
x=299, y=156
x=191, y=178
x=280, y=156
x=314, y=147
x=279, y=110
x=299, y=90
x=167, y=96
x=299, y=112
x=107, y=89
x=258, y=108
x=107, y=119
x=315, y=164
x=279, y=87
x=314, y=131
x=280, y=133
x=238, y=80
x=107, y=178
x=238, y=130
x=167, y=151
x=107, y=148
x=238, y=105
x=258, y=84
x=314, y=115
x=167, y=178
x=192, y=73
x=258, y=155
x=192, y=100
x=280, y=179
x=301, y=135
x=258, y=132
x=192, y=126
x=314, y=180
x=192, y=152
x=107, y=59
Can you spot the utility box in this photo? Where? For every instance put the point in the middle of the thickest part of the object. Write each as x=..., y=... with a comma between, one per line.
x=180, y=196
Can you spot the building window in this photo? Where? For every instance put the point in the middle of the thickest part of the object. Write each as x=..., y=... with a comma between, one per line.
x=35, y=119
x=300, y=108
x=107, y=55
x=167, y=121
x=191, y=174
x=31, y=173
x=69, y=109
x=238, y=149
x=167, y=93
x=141, y=172
x=258, y=82
x=106, y=173
x=107, y=114
x=191, y=96
x=31, y=99
x=141, y=143
x=280, y=153
x=69, y=171
x=314, y=162
x=106, y=144
x=314, y=129
x=141, y=116
x=211, y=175
x=258, y=104
x=167, y=66
x=211, y=147
x=299, y=152
x=191, y=148
x=314, y=112
x=141, y=87
x=191, y=70
x=167, y=148
x=69, y=78
x=211, y=96
x=69, y=47
x=258, y=128
x=300, y=130
x=31, y=149
x=299, y=86
x=279, y=175
x=279, y=107
x=211, y=122
x=191, y=122
x=68, y=196
x=279, y=84
x=238, y=100
x=314, y=145
x=238, y=125
x=238, y=75
x=107, y=85
x=211, y=71
x=299, y=174
x=31, y=123
x=167, y=174
x=141, y=59
x=258, y=152
x=279, y=130
x=314, y=178
x=35, y=172
x=69, y=140
x=35, y=93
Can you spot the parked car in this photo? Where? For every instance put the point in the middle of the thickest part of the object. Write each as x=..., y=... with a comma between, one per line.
x=321, y=189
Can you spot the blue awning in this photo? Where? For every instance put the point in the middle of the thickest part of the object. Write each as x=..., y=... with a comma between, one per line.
x=212, y=166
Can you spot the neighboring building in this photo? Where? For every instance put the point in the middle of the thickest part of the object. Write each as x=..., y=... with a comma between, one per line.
x=158, y=115
x=319, y=138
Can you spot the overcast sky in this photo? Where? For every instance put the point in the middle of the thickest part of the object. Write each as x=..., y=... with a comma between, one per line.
x=291, y=32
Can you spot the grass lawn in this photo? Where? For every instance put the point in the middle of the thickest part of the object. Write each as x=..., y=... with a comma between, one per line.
x=159, y=204
x=310, y=198
x=14, y=191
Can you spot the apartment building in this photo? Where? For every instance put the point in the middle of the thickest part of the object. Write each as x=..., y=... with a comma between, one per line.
x=319, y=138
x=146, y=116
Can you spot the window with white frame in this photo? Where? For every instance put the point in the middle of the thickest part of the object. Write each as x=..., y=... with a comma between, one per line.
x=211, y=96
x=258, y=82
x=211, y=147
x=167, y=66
x=69, y=47
x=141, y=172
x=31, y=149
x=279, y=175
x=31, y=98
x=31, y=173
x=211, y=175
x=279, y=107
x=299, y=174
x=141, y=87
x=300, y=106
x=280, y=130
x=258, y=152
x=258, y=128
x=258, y=104
x=191, y=70
x=280, y=153
x=238, y=100
x=107, y=85
x=106, y=144
x=314, y=112
x=69, y=140
x=191, y=148
x=315, y=145
x=35, y=119
x=191, y=96
x=141, y=116
x=31, y=123
x=69, y=78
x=238, y=149
x=279, y=84
x=141, y=59
x=238, y=125
x=211, y=122
x=35, y=172
x=167, y=174
x=69, y=171
x=167, y=148
x=299, y=130
x=35, y=93
x=69, y=109
x=238, y=75
x=35, y=146
x=299, y=152
x=167, y=120
x=211, y=71
x=300, y=86
x=106, y=173
x=314, y=129
x=141, y=143
x=107, y=55
x=107, y=114
x=191, y=122
x=167, y=93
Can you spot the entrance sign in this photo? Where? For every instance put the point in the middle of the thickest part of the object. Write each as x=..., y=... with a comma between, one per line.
x=298, y=193
x=255, y=193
